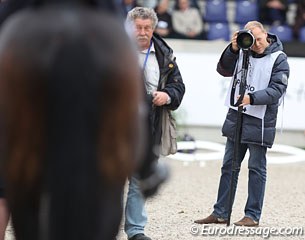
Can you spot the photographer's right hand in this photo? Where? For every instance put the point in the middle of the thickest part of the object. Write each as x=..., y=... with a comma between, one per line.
x=235, y=47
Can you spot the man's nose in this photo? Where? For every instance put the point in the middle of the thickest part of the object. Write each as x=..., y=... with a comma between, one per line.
x=142, y=31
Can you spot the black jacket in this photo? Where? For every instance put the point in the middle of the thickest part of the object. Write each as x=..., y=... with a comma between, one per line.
x=174, y=86
x=251, y=126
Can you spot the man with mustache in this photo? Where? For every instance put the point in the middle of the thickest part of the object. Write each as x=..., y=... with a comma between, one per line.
x=159, y=66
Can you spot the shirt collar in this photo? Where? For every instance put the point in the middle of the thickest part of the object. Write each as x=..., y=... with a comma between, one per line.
x=152, y=49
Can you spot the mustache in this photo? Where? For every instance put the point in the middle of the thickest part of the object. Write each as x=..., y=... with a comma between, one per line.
x=142, y=38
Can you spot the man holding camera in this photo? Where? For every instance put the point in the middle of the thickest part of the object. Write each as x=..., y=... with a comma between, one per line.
x=266, y=83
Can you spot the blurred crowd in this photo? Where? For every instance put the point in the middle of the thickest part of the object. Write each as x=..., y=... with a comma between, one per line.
x=210, y=19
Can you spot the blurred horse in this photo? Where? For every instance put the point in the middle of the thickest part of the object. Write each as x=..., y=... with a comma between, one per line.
x=70, y=91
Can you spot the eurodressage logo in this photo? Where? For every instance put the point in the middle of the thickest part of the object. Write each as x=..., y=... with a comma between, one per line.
x=264, y=232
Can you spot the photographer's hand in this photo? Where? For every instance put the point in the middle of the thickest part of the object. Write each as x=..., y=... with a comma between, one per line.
x=235, y=47
x=246, y=100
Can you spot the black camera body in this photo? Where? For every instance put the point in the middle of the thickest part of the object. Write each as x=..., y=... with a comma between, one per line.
x=245, y=39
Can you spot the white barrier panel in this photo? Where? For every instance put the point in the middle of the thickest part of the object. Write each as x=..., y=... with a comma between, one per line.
x=206, y=90
x=278, y=154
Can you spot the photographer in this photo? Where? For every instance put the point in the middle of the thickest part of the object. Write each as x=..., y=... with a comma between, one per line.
x=266, y=83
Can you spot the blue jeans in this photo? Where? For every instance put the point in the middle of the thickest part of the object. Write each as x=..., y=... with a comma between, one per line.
x=256, y=180
x=135, y=214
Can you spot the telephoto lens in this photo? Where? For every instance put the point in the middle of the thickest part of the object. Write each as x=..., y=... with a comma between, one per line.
x=245, y=39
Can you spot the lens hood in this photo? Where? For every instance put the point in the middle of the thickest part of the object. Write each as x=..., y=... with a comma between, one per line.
x=245, y=39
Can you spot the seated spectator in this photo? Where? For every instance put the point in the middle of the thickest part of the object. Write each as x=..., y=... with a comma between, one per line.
x=164, y=27
x=127, y=5
x=193, y=3
x=299, y=18
x=150, y=3
x=273, y=11
x=187, y=22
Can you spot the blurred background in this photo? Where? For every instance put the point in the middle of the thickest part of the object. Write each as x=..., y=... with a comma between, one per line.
x=199, y=30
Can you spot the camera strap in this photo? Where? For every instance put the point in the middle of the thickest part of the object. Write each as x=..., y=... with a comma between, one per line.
x=242, y=82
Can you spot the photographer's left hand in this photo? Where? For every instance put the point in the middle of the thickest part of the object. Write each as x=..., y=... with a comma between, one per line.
x=246, y=100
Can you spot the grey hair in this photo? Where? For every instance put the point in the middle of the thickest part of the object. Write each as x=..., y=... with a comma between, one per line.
x=253, y=24
x=142, y=13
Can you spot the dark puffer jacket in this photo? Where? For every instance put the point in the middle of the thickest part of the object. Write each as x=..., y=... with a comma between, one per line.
x=174, y=86
x=251, y=126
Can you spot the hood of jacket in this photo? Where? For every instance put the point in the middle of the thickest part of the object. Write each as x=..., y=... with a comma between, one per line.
x=274, y=46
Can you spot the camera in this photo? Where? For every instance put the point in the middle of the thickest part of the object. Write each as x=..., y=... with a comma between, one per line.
x=245, y=39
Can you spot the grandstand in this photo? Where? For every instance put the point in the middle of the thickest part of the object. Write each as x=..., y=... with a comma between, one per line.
x=292, y=47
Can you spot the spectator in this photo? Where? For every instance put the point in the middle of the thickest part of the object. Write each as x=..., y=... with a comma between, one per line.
x=159, y=66
x=127, y=5
x=273, y=12
x=193, y=3
x=164, y=27
x=150, y=3
x=299, y=18
x=187, y=21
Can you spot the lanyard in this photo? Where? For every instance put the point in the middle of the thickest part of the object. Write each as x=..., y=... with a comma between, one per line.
x=146, y=57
